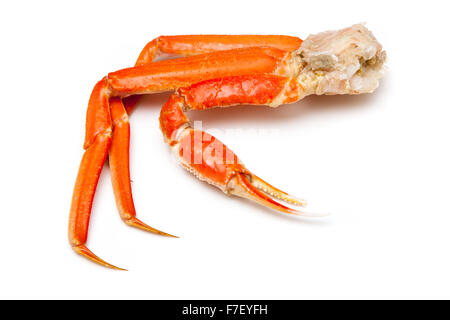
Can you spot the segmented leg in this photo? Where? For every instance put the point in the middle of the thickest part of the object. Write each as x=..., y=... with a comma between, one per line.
x=179, y=46
x=99, y=133
x=175, y=46
x=190, y=45
x=120, y=168
x=172, y=74
x=97, y=143
x=247, y=74
x=161, y=76
x=151, y=78
x=209, y=159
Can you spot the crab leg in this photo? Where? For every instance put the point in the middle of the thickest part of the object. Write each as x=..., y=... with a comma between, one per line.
x=120, y=168
x=172, y=74
x=179, y=45
x=151, y=78
x=97, y=143
x=190, y=45
x=103, y=112
x=260, y=70
x=208, y=158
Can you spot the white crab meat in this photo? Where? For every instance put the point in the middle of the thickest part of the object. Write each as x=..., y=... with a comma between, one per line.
x=348, y=61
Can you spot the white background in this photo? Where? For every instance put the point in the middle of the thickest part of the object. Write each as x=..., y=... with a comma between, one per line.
x=379, y=163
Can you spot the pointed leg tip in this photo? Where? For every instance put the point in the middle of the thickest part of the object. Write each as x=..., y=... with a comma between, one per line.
x=85, y=252
x=172, y=236
x=135, y=222
x=117, y=268
x=168, y=235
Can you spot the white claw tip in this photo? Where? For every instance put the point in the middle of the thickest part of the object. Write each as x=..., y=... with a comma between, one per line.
x=310, y=214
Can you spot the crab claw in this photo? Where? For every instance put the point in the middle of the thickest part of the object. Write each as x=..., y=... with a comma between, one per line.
x=250, y=186
x=211, y=161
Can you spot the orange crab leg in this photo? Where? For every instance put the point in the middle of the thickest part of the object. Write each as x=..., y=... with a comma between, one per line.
x=97, y=143
x=99, y=134
x=151, y=78
x=189, y=45
x=207, y=157
x=120, y=168
x=189, y=70
x=169, y=75
x=253, y=89
x=172, y=74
